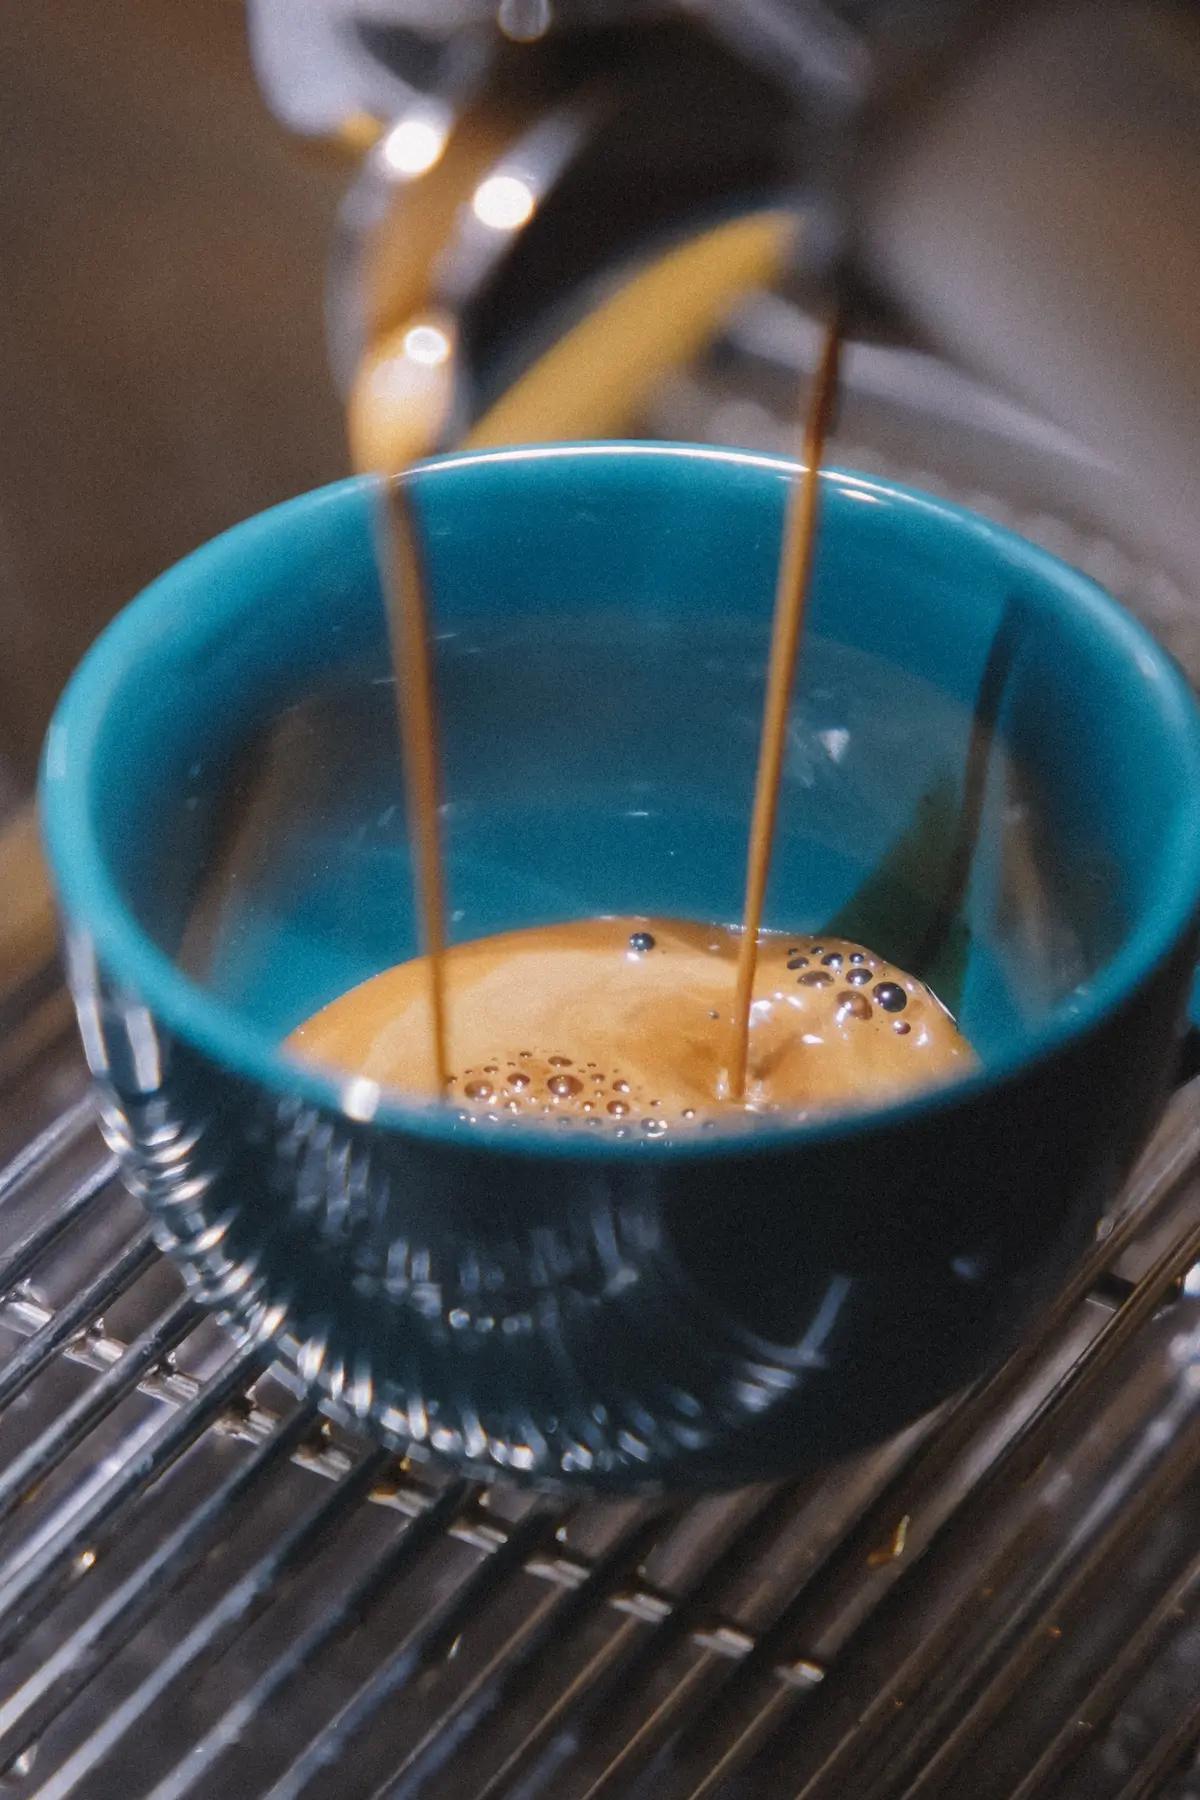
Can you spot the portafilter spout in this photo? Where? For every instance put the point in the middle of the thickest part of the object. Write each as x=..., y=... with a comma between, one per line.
x=567, y=198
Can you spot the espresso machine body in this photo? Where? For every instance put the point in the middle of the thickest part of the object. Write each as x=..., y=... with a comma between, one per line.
x=1009, y=196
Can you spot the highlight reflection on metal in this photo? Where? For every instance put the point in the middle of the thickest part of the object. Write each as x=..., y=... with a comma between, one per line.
x=503, y=202
x=381, y=294
x=427, y=343
x=1024, y=1561
x=414, y=144
x=525, y=20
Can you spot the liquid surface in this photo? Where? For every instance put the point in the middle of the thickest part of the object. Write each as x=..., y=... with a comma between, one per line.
x=624, y=1024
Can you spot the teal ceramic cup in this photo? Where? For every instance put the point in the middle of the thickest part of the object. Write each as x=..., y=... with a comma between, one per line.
x=992, y=778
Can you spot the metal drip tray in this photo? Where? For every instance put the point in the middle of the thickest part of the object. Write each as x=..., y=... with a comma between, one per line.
x=205, y=1590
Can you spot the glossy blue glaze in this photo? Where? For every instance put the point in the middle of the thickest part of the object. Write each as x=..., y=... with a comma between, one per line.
x=721, y=1307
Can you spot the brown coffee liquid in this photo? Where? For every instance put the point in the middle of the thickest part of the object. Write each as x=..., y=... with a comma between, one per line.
x=407, y=604
x=791, y=598
x=624, y=1024
x=628, y=1024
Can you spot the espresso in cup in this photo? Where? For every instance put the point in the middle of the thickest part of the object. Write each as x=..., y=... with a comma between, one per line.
x=622, y=1026
x=629, y=1025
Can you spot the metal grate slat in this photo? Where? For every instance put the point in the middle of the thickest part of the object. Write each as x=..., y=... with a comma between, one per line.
x=1173, y=1749
x=550, y=1746
x=248, y=1597
x=68, y=1209
x=1103, y=1699
x=1143, y=1491
x=67, y=1671
x=431, y=1639
x=412, y=1541
x=32, y=1466
x=88, y=1305
x=1013, y=1465
x=32, y=1576
x=516, y=1665
x=64, y=1129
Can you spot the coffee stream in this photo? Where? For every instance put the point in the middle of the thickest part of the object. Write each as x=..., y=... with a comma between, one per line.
x=406, y=599
x=654, y=1026
x=791, y=598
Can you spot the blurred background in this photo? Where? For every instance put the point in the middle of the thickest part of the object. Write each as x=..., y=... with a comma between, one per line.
x=170, y=219
x=163, y=371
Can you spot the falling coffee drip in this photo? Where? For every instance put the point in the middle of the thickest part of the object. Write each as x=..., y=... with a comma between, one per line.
x=647, y=1027
x=791, y=600
x=406, y=599
x=622, y=1025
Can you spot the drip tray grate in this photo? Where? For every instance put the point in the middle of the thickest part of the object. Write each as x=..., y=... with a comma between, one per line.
x=207, y=1590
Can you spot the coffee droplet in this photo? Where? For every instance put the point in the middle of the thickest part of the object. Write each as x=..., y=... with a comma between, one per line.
x=891, y=996
x=852, y=1005
x=641, y=1042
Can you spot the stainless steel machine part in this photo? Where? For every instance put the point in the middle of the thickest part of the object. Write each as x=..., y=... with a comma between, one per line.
x=1019, y=183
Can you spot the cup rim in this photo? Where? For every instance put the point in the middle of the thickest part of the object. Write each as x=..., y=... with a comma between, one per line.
x=89, y=898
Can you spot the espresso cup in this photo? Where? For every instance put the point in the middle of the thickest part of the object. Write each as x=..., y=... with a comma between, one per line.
x=992, y=779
